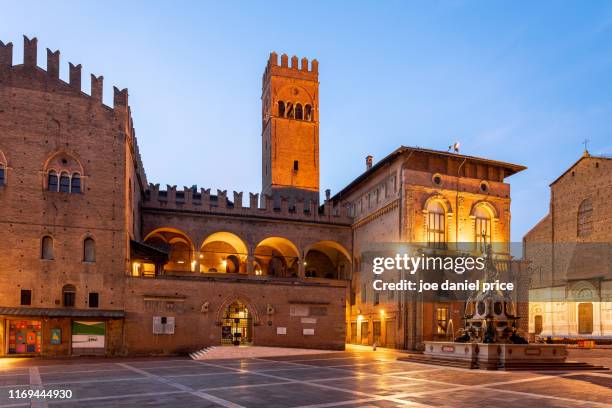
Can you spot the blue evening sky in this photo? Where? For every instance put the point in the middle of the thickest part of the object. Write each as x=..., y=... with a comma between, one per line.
x=523, y=82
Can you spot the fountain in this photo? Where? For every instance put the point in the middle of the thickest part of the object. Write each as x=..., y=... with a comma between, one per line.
x=490, y=339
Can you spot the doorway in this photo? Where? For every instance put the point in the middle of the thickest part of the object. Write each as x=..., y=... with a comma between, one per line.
x=237, y=326
x=585, y=318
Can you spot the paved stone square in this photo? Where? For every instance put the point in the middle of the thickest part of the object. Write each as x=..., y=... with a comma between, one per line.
x=356, y=378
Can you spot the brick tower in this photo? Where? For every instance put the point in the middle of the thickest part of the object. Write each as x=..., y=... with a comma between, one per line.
x=290, y=129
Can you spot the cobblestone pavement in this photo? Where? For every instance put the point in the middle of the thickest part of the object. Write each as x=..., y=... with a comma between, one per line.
x=356, y=378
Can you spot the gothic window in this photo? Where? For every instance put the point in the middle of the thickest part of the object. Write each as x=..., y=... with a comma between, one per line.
x=436, y=225
x=290, y=112
x=52, y=183
x=281, y=109
x=75, y=184
x=68, y=295
x=46, y=248
x=585, y=218
x=482, y=225
x=2, y=174
x=89, y=250
x=299, y=114
x=308, y=113
x=64, y=184
x=64, y=173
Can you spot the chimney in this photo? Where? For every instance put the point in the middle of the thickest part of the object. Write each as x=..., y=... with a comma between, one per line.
x=369, y=160
x=327, y=194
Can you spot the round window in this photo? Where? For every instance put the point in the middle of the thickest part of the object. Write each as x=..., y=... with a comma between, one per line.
x=437, y=179
x=484, y=187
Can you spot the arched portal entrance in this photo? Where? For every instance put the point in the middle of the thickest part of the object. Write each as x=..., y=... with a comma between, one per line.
x=237, y=325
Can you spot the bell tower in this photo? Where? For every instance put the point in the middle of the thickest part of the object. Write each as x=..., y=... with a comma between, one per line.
x=290, y=128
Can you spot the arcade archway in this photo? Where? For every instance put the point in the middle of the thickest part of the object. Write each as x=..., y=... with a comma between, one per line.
x=223, y=252
x=327, y=259
x=277, y=256
x=178, y=246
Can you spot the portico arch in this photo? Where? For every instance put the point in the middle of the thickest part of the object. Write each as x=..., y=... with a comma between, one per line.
x=177, y=244
x=223, y=252
x=327, y=259
x=277, y=256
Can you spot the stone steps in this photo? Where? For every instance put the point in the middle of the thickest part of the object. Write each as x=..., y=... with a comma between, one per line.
x=198, y=355
x=419, y=358
x=565, y=366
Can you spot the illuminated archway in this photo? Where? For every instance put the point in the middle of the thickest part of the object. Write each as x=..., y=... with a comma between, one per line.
x=277, y=256
x=327, y=259
x=177, y=244
x=223, y=252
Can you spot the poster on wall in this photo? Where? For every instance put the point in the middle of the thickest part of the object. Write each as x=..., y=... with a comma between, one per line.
x=88, y=334
x=56, y=336
x=24, y=337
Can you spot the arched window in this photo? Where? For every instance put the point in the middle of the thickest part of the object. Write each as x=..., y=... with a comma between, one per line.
x=64, y=184
x=75, y=184
x=89, y=250
x=68, y=295
x=46, y=248
x=299, y=114
x=585, y=218
x=290, y=110
x=52, y=183
x=281, y=109
x=482, y=225
x=2, y=174
x=436, y=225
x=308, y=113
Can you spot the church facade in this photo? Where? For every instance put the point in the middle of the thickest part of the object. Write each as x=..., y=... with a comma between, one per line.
x=98, y=261
x=570, y=296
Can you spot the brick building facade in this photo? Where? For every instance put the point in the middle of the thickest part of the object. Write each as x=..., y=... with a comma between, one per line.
x=570, y=254
x=98, y=261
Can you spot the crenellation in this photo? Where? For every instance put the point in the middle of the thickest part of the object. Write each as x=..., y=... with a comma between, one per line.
x=30, y=52
x=294, y=62
x=75, y=76
x=253, y=201
x=120, y=97
x=53, y=61
x=314, y=68
x=6, y=54
x=273, y=60
x=304, y=66
x=97, y=90
x=284, y=61
x=222, y=199
x=30, y=59
x=238, y=200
